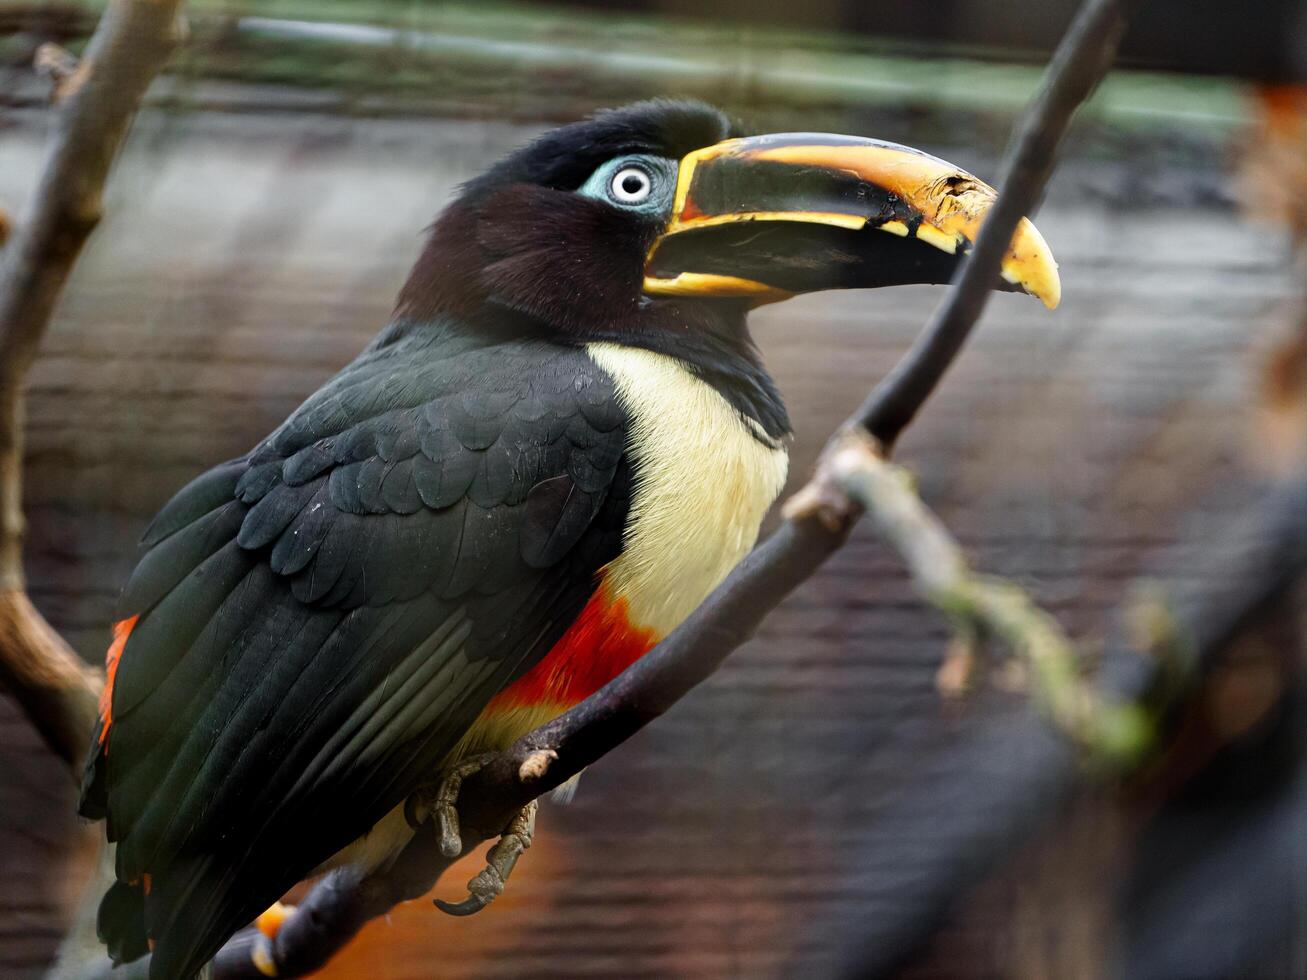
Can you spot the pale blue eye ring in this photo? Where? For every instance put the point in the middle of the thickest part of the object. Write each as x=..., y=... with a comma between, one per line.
x=637, y=182
x=631, y=185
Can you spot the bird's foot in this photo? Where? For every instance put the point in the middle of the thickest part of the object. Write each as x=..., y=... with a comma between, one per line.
x=486, y=886
x=442, y=804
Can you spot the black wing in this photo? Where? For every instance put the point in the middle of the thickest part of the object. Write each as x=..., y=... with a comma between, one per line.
x=321, y=621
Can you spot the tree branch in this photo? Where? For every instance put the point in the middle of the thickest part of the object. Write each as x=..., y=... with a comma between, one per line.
x=994, y=808
x=817, y=523
x=1115, y=734
x=1076, y=68
x=55, y=688
x=97, y=101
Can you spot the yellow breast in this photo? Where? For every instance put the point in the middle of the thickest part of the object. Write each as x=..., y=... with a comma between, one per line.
x=703, y=482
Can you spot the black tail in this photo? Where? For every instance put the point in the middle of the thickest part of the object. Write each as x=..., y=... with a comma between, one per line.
x=189, y=912
x=195, y=905
x=121, y=922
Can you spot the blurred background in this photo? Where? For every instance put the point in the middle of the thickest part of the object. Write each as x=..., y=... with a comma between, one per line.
x=271, y=198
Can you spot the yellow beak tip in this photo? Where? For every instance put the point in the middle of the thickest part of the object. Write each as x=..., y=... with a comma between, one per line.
x=1030, y=263
x=1045, y=286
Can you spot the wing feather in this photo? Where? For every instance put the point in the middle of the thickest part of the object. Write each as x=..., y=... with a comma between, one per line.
x=320, y=621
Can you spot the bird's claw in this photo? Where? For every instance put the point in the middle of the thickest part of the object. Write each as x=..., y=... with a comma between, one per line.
x=423, y=805
x=481, y=892
x=486, y=886
x=489, y=882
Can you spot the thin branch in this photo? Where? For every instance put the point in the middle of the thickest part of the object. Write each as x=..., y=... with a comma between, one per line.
x=333, y=913
x=994, y=809
x=1076, y=68
x=97, y=100
x=132, y=42
x=817, y=524
x=1115, y=734
x=820, y=522
x=54, y=686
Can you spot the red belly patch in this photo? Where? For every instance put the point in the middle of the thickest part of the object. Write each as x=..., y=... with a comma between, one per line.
x=596, y=648
x=121, y=630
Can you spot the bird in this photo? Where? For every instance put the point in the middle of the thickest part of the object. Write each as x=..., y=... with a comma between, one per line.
x=560, y=443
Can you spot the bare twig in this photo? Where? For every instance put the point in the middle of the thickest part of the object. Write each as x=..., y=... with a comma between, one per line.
x=55, y=688
x=130, y=45
x=66, y=74
x=1077, y=66
x=817, y=524
x=97, y=98
x=1115, y=734
x=995, y=809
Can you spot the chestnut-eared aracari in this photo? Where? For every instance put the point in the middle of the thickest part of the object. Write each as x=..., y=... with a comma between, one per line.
x=563, y=440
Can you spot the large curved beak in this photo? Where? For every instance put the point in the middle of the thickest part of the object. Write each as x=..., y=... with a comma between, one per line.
x=770, y=216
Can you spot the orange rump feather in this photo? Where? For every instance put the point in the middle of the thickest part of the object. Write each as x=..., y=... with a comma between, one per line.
x=121, y=630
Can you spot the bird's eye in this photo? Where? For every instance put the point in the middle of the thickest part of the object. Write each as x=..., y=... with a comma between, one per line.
x=631, y=185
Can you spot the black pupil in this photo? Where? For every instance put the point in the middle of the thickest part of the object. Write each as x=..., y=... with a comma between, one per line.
x=632, y=184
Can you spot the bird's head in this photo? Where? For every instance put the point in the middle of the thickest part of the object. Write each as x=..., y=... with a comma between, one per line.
x=648, y=212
